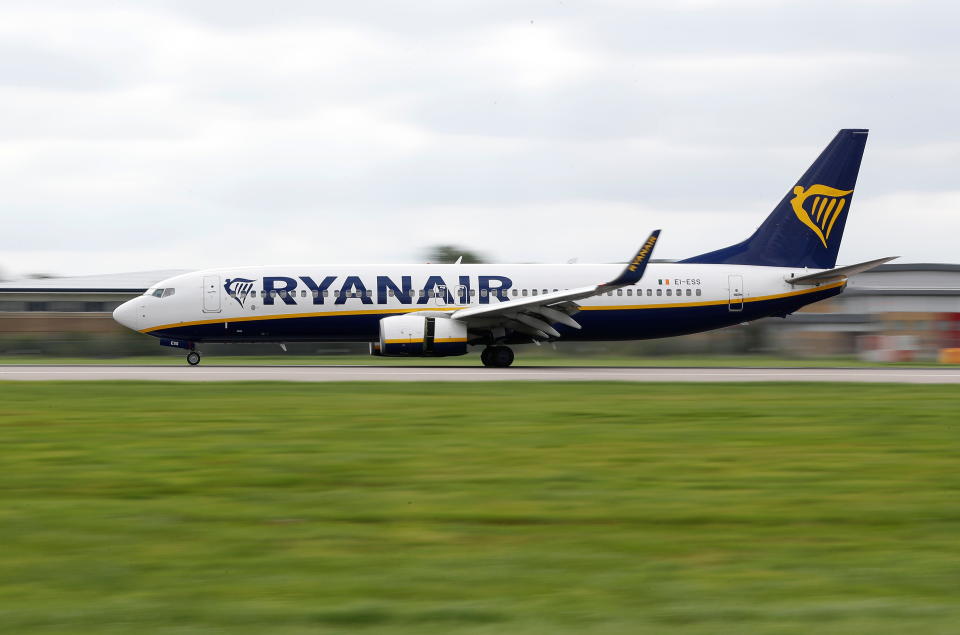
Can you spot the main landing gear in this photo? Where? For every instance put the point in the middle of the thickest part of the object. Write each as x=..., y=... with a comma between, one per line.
x=193, y=358
x=496, y=356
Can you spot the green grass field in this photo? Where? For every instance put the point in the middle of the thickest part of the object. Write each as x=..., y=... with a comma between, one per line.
x=479, y=508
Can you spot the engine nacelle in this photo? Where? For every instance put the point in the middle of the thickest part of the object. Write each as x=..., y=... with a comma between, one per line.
x=414, y=335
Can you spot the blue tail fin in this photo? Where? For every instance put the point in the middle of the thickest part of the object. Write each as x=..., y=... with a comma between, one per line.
x=805, y=229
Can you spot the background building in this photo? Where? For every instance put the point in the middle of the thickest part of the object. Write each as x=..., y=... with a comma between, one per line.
x=894, y=312
x=73, y=315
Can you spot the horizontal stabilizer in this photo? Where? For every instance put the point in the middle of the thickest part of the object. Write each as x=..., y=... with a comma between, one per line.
x=840, y=272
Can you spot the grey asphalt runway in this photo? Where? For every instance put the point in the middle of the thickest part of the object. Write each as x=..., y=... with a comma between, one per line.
x=455, y=373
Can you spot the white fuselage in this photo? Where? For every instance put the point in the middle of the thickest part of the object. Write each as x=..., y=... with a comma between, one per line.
x=343, y=302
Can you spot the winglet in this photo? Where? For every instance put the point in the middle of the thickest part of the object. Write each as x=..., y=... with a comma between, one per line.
x=634, y=271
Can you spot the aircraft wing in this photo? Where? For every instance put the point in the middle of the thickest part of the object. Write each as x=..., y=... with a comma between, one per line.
x=535, y=315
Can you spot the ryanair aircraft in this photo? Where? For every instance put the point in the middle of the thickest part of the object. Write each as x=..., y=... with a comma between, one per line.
x=443, y=309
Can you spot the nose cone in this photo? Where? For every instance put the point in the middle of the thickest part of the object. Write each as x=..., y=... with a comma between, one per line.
x=126, y=314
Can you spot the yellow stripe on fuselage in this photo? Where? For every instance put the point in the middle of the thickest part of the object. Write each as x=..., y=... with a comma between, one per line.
x=674, y=305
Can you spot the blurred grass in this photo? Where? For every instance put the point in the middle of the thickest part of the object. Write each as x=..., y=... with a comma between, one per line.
x=479, y=508
x=525, y=357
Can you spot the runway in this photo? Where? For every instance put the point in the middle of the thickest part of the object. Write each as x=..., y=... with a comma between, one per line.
x=471, y=373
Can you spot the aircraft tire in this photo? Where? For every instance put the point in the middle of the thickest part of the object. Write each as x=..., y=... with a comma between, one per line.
x=193, y=358
x=498, y=356
x=485, y=356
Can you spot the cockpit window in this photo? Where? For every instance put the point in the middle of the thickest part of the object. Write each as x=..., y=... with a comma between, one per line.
x=169, y=291
x=157, y=293
x=160, y=293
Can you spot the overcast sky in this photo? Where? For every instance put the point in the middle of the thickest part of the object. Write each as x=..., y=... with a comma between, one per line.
x=187, y=134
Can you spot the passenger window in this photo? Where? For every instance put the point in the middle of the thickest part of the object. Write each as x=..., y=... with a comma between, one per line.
x=483, y=293
x=533, y=292
x=336, y=293
x=514, y=292
x=412, y=293
x=316, y=293
x=669, y=291
x=619, y=291
x=253, y=294
x=698, y=291
x=325, y=293
x=689, y=292
x=524, y=292
x=473, y=293
x=390, y=292
x=659, y=291
x=649, y=292
x=545, y=291
x=369, y=293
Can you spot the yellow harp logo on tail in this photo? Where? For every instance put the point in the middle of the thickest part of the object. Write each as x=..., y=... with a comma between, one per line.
x=826, y=205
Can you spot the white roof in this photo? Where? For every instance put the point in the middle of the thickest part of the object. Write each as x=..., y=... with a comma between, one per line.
x=136, y=281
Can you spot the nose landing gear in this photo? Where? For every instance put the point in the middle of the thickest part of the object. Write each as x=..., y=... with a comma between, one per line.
x=496, y=356
x=193, y=358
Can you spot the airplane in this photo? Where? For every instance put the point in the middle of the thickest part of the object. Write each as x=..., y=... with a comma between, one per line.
x=438, y=310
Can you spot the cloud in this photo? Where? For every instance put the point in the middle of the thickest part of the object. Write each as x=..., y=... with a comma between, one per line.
x=189, y=134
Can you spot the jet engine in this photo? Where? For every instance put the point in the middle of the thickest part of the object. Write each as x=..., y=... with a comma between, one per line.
x=416, y=335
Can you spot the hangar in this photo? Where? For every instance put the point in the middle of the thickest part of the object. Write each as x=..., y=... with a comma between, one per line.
x=901, y=311
x=71, y=315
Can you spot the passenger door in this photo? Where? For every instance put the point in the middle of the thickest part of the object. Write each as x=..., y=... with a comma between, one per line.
x=211, y=294
x=736, y=293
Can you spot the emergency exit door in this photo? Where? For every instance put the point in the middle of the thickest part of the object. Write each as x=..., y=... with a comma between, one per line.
x=736, y=293
x=211, y=294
